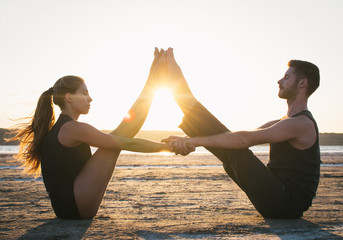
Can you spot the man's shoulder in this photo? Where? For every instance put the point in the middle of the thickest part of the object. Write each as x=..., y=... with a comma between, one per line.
x=304, y=129
x=302, y=121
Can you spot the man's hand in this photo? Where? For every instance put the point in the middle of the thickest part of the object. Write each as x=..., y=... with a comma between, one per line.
x=179, y=145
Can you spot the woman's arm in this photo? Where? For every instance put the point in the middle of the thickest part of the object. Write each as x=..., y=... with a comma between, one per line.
x=74, y=133
x=140, y=145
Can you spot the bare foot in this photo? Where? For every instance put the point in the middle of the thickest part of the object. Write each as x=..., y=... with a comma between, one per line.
x=182, y=93
x=158, y=69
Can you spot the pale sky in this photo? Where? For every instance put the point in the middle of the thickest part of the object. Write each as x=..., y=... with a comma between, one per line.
x=232, y=54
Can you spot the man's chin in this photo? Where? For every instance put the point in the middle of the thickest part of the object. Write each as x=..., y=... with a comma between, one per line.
x=281, y=96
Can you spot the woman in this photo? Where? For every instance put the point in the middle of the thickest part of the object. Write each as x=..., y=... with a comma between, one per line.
x=75, y=179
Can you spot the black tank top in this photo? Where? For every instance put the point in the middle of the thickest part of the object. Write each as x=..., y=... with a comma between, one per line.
x=60, y=164
x=299, y=170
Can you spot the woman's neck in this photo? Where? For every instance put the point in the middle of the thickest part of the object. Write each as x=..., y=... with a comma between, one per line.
x=71, y=114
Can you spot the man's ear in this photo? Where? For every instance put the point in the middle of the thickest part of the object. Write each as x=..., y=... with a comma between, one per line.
x=303, y=83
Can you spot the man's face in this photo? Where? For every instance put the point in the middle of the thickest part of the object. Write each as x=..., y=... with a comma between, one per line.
x=288, y=85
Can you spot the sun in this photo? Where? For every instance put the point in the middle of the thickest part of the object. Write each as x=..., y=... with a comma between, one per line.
x=164, y=113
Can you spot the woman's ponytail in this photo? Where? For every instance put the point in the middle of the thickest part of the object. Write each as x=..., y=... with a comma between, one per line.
x=31, y=136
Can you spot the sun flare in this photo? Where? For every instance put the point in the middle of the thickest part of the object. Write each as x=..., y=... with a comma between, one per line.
x=164, y=94
x=164, y=113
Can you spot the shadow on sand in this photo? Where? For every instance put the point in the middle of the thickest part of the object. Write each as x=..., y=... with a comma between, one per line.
x=300, y=229
x=58, y=229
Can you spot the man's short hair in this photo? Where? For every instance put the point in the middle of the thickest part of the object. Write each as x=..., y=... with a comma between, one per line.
x=306, y=70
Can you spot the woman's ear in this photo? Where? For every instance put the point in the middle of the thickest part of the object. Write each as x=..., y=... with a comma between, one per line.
x=68, y=98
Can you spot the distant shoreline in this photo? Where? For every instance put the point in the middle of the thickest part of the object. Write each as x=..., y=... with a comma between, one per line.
x=325, y=139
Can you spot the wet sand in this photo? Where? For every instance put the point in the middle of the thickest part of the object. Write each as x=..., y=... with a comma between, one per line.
x=167, y=197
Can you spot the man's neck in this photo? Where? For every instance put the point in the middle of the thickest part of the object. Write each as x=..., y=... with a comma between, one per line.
x=296, y=105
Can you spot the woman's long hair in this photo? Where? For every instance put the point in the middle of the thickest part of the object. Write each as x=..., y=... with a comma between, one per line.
x=31, y=137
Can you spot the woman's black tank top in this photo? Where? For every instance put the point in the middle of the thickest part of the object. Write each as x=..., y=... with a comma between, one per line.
x=299, y=170
x=60, y=164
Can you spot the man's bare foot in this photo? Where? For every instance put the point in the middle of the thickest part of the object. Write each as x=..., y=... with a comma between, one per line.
x=181, y=91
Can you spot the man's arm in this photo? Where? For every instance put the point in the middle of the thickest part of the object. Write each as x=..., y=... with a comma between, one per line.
x=268, y=124
x=298, y=130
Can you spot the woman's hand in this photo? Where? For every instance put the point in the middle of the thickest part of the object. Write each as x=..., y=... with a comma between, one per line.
x=179, y=145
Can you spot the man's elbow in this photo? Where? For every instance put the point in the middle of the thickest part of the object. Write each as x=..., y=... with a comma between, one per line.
x=244, y=144
x=243, y=141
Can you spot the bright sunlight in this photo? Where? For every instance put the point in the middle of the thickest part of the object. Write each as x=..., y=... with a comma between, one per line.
x=164, y=113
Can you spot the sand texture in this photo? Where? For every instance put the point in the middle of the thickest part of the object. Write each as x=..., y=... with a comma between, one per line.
x=167, y=197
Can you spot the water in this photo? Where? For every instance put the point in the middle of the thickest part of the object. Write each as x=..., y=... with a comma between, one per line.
x=261, y=149
x=325, y=150
x=8, y=149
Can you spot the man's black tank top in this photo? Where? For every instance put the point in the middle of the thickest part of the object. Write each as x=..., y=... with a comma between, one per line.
x=299, y=170
x=60, y=164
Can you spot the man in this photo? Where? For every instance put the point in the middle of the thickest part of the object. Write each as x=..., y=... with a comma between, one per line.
x=286, y=186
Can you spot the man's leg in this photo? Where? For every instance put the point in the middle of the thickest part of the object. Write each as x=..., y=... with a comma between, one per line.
x=265, y=191
x=263, y=188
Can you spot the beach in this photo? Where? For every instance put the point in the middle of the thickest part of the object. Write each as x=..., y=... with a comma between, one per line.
x=156, y=196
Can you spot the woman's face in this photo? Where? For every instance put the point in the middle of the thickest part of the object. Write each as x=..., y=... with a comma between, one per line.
x=80, y=100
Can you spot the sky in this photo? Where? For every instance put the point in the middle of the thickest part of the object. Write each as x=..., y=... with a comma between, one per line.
x=232, y=54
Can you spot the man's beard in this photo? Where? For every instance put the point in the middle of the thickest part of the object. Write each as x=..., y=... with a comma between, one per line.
x=289, y=93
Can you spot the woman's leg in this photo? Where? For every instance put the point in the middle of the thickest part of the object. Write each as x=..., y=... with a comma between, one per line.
x=91, y=183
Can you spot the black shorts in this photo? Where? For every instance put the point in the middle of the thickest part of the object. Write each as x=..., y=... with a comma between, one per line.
x=64, y=204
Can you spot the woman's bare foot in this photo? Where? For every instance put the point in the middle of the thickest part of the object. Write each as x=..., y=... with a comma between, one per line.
x=158, y=70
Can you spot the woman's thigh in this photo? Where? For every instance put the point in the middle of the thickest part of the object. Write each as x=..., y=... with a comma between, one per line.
x=91, y=183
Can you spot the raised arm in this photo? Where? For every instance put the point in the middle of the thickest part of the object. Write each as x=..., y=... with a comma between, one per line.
x=137, y=114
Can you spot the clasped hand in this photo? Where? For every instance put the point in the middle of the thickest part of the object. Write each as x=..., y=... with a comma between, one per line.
x=179, y=145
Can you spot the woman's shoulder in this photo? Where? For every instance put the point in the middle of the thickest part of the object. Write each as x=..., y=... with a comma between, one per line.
x=73, y=133
x=74, y=126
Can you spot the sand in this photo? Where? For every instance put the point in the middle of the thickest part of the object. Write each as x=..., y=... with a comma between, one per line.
x=167, y=197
